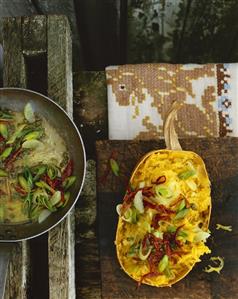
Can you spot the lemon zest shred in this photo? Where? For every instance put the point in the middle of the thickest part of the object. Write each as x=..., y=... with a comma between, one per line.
x=220, y=264
x=227, y=228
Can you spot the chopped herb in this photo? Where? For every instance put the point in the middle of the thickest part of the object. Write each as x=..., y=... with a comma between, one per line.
x=114, y=166
x=3, y=173
x=219, y=264
x=186, y=174
x=163, y=264
x=69, y=181
x=182, y=205
x=181, y=214
x=29, y=113
x=6, y=153
x=227, y=228
x=4, y=130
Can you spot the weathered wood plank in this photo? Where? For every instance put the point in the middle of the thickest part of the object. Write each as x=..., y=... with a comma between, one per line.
x=34, y=35
x=16, y=8
x=88, y=275
x=61, y=238
x=90, y=115
x=63, y=7
x=14, y=75
x=60, y=62
x=14, y=67
x=90, y=107
x=18, y=272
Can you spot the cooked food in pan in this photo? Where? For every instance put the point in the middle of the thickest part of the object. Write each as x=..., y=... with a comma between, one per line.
x=36, y=172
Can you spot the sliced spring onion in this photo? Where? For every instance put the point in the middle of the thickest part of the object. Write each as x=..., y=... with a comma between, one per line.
x=163, y=191
x=2, y=212
x=181, y=205
x=66, y=198
x=163, y=264
x=6, y=153
x=47, y=203
x=158, y=234
x=118, y=209
x=130, y=216
x=186, y=174
x=69, y=181
x=227, y=228
x=55, y=198
x=39, y=172
x=127, y=215
x=114, y=167
x=182, y=234
x=133, y=250
x=3, y=173
x=169, y=273
x=200, y=235
x=16, y=134
x=181, y=214
x=141, y=255
x=171, y=229
x=23, y=183
x=138, y=202
x=5, y=115
x=220, y=264
x=43, y=215
x=32, y=144
x=52, y=171
x=141, y=184
x=33, y=135
x=44, y=185
x=4, y=130
x=38, y=195
x=29, y=113
x=192, y=185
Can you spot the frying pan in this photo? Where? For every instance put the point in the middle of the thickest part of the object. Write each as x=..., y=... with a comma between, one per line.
x=15, y=99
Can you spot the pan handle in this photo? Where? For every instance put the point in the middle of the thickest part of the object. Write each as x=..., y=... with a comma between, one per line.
x=5, y=253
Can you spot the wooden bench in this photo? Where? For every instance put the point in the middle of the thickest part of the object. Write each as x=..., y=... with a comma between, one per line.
x=63, y=264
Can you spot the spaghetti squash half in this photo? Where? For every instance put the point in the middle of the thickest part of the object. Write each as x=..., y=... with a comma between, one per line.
x=163, y=220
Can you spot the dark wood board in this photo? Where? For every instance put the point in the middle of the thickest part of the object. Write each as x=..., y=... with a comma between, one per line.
x=221, y=158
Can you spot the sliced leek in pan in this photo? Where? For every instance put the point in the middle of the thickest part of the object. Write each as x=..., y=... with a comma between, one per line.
x=36, y=172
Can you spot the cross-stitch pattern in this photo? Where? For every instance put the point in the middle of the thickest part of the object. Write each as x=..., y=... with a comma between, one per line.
x=140, y=95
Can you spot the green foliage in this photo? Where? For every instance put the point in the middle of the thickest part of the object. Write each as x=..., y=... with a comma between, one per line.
x=182, y=31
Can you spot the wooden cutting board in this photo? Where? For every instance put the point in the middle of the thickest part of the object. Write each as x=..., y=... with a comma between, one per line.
x=221, y=158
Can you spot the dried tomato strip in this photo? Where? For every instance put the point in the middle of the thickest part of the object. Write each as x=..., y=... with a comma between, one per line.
x=68, y=170
x=160, y=180
x=20, y=190
x=12, y=157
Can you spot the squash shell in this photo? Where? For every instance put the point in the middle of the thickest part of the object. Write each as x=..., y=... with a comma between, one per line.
x=169, y=135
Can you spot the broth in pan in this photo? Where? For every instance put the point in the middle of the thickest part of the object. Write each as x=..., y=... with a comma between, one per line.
x=35, y=167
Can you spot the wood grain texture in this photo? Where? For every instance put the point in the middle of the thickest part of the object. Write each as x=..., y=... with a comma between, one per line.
x=220, y=156
x=14, y=68
x=90, y=115
x=18, y=272
x=34, y=34
x=60, y=86
x=25, y=38
x=61, y=238
x=63, y=7
x=15, y=76
x=88, y=283
x=90, y=108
